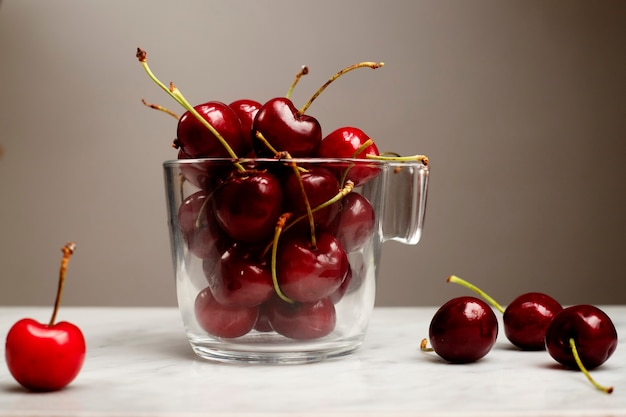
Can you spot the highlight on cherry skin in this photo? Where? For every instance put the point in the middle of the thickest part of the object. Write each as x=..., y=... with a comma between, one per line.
x=46, y=356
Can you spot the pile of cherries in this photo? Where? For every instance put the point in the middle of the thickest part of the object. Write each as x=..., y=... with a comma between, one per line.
x=274, y=239
x=465, y=329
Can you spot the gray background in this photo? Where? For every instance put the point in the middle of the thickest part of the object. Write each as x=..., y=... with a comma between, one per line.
x=520, y=105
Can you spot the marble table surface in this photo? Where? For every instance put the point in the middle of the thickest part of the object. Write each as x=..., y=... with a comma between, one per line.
x=139, y=365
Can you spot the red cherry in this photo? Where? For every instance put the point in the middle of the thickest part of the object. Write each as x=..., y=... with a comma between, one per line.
x=286, y=129
x=350, y=142
x=246, y=109
x=302, y=321
x=248, y=204
x=244, y=279
x=306, y=273
x=320, y=185
x=197, y=141
x=199, y=228
x=222, y=321
x=463, y=330
x=527, y=317
x=355, y=223
x=591, y=329
x=46, y=357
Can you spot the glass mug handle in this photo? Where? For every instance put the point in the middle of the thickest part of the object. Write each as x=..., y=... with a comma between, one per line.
x=405, y=201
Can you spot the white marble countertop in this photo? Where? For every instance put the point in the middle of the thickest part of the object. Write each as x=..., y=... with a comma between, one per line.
x=139, y=365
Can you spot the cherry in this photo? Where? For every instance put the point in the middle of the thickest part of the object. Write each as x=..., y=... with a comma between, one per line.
x=223, y=321
x=286, y=129
x=201, y=233
x=246, y=110
x=247, y=205
x=306, y=273
x=525, y=319
x=244, y=278
x=46, y=357
x=197, y=141
x=320, y=185
x=355, y=223
x=582, y=337
x=463, y=330
x=302, y=321
x=351, y=142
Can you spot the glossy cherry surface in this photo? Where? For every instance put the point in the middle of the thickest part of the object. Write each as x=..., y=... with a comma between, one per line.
x=527, y=318
x=307, y=273
x=463, y=330
x=197, y=141
x=350, y=142
x=286, y=129
x=591, y=329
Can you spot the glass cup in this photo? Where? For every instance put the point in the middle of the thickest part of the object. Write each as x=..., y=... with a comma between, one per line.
x=276, y=261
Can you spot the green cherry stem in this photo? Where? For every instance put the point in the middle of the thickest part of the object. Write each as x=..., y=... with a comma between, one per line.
x=280, y=224
x=67, y=250
x=160, y=108
x=411, y=158
x=372, y=65
x=175, y=93
x=303, y=71
x=456, y=280
x=584, y=370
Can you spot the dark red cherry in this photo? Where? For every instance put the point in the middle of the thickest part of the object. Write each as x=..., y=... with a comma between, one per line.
x=222, y=321
x=302, y=321
x=592, y=330
x=197, y=141
x=527, y=317
x=463, y=330
x=286, y=129
x=320, y=185
x=199, y=229
x=354, y=225
x=307, y=273
x=244, y=278
x=248, y=204
x=246, y=109
x=348, y=142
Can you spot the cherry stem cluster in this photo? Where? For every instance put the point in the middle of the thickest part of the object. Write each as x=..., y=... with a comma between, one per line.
x=572, y=344
x=456, y=280
x=67, y=250
x=372, y=65
x=175, y=93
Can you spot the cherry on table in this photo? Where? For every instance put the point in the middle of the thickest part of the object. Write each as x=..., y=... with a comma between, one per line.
x=582, y=337
x=463, y=330
x=46, y=357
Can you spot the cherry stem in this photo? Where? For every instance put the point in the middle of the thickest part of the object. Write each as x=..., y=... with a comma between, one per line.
x=307, y=204
x=572, y=344
x=303, y=71
x=175, y=93
x=160, y=108
x=372, y=65
x=267, y=144
x=456, y=280
x=280, y=224
x=411, y=158
x=341, y=194
x=67, y=250
x=424, y=346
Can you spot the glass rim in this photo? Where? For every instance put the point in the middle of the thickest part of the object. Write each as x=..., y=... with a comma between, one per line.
x=304, y=160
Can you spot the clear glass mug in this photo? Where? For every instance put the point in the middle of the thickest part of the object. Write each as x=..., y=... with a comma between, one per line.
x=276, y=261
